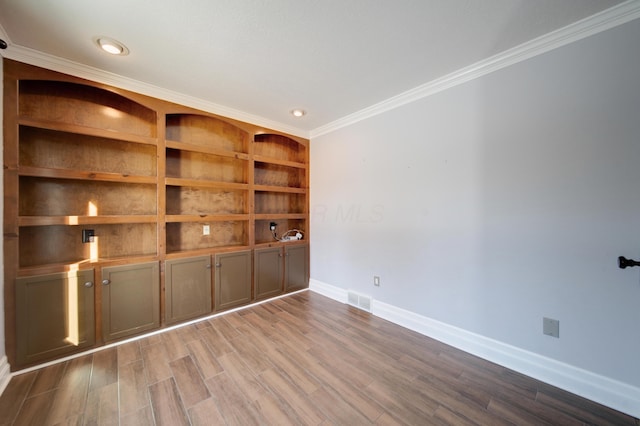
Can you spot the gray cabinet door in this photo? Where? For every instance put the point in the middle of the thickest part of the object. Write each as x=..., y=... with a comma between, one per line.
x=130, y=299
x=233, y=279
x=54, y=315
x=188, y=288
x=268, y=272
x=296, y=267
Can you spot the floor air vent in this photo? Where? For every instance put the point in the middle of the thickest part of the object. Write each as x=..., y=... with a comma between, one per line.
x=359, y=301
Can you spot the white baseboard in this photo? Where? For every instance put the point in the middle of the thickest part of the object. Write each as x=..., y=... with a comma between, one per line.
x=5, y=374
x=332, y=292
x=603, y=390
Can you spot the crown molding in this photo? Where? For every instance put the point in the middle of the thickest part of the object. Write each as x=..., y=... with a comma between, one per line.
x=4, y=35
x=610, y=18
x=54, y=63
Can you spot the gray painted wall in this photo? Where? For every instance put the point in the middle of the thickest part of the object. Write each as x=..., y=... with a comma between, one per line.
x=500, y=201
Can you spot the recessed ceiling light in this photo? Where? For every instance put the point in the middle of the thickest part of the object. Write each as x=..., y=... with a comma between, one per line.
x=298, y=112
x=111, y=46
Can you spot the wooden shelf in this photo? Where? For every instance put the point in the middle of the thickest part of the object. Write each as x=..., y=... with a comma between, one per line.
x=275, y=147
x=276, y=216
x=206, y=218
x=84, y=175
x=284, y=223
x=276, y=175
x=206, y=251
x=275, y=243
x=269, y=160
x=188, y=236
x=85, y=106
x=170, y=181
x=198, y=148
x=83, y=220
x=63, y=243
x=87, y=131
x=198, y=166
x=269, y=203
x=271, y=188
x=207, y=132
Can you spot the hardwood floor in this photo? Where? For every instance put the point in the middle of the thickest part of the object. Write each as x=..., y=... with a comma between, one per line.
x=303, y=359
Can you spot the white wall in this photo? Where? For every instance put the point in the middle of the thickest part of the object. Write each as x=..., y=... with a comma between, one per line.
x=500, y=201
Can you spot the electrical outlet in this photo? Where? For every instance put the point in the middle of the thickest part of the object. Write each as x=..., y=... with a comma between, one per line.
x=272, y=226
x=206, y=230
x=88, y=235
x=551, y=327
x=376, y=281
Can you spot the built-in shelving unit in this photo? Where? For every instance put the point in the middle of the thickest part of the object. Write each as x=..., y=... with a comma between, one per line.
x=207, y=183
x=86, y=156
x=117, y=188
x=281, y=185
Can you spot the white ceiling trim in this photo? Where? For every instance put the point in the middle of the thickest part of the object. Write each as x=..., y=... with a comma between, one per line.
x=3, y=35
x=40, y=59
x=615, y=16
x=602, y=21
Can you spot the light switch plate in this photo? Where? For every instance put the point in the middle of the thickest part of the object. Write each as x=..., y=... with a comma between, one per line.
x=206, y=230
x=551, y=327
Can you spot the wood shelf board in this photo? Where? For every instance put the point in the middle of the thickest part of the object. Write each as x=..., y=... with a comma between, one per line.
x=276, y=216
x=268, y=244
x=81, y=104
x=84, y=220
x=271, y=188
x=84, y=175
x=207, y=130
x=184, y=146
x=206, y=218
x=286, y=163
x=85, y=130
x=207, y=251
x=174, y=181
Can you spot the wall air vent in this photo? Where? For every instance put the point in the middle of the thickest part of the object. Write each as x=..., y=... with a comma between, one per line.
x=359, y=301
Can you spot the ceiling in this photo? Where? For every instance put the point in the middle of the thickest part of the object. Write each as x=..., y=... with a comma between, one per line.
x=265, y=58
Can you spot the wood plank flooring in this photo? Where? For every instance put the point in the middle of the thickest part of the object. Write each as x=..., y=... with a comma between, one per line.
x=300, y=360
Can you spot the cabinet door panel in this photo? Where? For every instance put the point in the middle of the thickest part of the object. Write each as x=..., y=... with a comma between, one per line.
x=130, y=299
x=268, y=265
x=188, y=288
x=233, y=279
x=55, y=315
x=297, y=268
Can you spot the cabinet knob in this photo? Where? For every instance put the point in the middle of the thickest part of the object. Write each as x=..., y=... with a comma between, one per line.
x=106, y=282
x=208, y=266
x=88, y=284
x=218, y=265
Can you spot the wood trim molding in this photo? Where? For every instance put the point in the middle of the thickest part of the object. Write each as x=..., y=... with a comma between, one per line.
x=597, y=23
x=611, y=393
